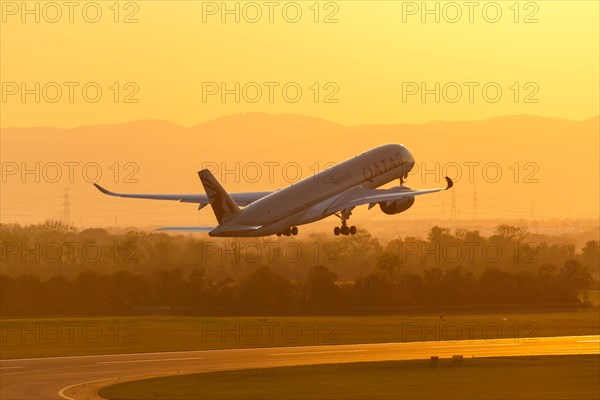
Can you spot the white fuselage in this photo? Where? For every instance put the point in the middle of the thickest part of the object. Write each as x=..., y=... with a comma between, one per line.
x=309, y=199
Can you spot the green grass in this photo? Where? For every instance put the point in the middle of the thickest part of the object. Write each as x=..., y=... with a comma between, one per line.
x=545, y=377
x=593, y=296
x=62, y=336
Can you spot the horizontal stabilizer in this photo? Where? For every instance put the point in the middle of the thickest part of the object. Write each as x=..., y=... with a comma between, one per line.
x=187, y=228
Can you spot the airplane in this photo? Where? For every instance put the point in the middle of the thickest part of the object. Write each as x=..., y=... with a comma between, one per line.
x=334, y=191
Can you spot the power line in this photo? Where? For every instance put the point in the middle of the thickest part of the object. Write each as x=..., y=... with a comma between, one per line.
x=475, y=209
x=453, y=213
x=66, y=209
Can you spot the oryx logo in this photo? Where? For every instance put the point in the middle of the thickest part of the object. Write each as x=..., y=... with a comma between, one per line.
x=222, y=204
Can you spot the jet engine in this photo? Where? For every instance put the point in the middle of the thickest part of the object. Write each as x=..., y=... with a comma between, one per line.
x=397, y=206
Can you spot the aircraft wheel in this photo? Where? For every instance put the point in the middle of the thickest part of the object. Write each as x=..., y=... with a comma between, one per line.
x=336, y=231
x=353, y=230
x=278, y=233
x=287, y=232
x=295, y=230
x=345, y=230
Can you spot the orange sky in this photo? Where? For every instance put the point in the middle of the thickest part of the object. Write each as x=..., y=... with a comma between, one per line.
x=348, y=62
x=361, y=62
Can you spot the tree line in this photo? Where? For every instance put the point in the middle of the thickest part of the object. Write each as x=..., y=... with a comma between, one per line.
x=195, y=275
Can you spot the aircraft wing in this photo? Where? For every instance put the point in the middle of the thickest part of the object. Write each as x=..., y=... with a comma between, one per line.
x=360, y=196
x=241, y=199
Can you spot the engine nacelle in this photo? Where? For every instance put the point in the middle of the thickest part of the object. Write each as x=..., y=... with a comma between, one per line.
x=397, y=206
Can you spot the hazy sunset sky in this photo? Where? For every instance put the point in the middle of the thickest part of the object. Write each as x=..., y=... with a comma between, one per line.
x=290, y=82
x=365, y=51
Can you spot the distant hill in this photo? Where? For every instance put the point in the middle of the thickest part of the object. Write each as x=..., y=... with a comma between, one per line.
x=563, y=155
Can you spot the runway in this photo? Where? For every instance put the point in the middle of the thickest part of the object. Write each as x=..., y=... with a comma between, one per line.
x=80, y=377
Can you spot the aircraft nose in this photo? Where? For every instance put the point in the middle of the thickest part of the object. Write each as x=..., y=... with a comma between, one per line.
x=409, y=158
x=408, y=162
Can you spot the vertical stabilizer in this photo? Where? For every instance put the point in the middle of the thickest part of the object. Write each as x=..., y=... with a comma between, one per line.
x=222, y=204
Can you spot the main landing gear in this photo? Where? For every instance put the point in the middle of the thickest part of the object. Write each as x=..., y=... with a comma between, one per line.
x=344, y=230
x=293, y=231
x=344, y=215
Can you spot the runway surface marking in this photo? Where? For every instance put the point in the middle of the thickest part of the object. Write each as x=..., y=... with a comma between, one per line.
x=61, y=392
x=475, y=345
x=154, y=360
x=318, y=352
x=80, y=377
